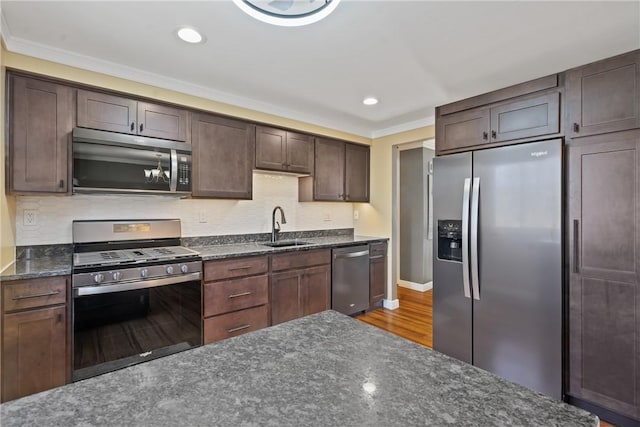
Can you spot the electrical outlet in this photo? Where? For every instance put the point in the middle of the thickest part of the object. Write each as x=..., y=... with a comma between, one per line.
x=202, y=216
x=30, y=217
x=326, y=216
x=356, y=215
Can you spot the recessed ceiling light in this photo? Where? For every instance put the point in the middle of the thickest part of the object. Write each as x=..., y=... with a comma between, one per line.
x=370, y=101
x=190, y=35
x=290, y=13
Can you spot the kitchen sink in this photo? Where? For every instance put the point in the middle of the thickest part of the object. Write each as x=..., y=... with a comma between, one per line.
x=286, y=243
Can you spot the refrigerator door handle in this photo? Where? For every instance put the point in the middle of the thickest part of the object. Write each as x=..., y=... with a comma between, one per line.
x=475, y=199
x=465, y=238
x=576, y=246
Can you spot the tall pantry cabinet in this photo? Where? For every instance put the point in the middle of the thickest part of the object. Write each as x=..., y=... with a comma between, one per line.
x=603, y=236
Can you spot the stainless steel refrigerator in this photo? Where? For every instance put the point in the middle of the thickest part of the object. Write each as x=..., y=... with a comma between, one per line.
x=497, y=288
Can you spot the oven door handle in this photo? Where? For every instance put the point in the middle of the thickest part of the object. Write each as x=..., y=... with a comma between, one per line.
x=131, y=286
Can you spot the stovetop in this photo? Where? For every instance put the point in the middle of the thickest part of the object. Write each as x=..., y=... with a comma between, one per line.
x=131, y=256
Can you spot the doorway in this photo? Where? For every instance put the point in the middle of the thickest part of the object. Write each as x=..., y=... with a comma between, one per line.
x=413, y=230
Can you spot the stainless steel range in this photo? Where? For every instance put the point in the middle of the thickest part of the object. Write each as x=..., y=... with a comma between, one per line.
x=136, y=294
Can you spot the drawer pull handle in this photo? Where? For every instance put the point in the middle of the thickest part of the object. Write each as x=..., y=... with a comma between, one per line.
x=240, y=268
x=46, y=294
x=239, y=328
x=243, y=294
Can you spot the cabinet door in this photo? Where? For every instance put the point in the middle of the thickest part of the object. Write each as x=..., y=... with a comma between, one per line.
x=285, y=296
x=356, y=173
x=377, y=278
x=160, y=121
x=604, y=254
x=299, y=153
x=41, y=121
x=526, y=118
x=106, y=112
x=461, y=130
x=223, y=157
x=604, y=96
x=33, y=351
x=329, y=170
x=316, y=289
x=271, y=148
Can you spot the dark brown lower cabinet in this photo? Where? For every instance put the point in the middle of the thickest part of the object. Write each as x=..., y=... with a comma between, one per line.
x=34, y=340
x=235, y=297
x=300, y=291
x=377, y=272
x=604, y=254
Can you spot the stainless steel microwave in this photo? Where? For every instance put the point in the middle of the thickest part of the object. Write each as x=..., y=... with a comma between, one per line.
x=109, y=162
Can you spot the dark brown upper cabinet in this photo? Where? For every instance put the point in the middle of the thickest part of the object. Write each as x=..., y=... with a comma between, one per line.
x=604, y=96
x=520, y=118
x=223, y=157
x=279, y=150
x=123, y=115
x=526, y=118
x=356, y=178
x=40, y=125
x=464, y=129
x=341, y=173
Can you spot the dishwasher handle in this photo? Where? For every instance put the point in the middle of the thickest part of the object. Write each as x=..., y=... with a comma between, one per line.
x=351, y=254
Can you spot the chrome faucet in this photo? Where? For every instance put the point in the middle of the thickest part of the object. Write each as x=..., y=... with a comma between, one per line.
x=275, y=225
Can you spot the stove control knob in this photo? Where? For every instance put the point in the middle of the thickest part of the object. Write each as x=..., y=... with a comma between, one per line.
x=98, y=278
x=116, y=275
x=170, y=270
x=184, y=268
x=144, y=272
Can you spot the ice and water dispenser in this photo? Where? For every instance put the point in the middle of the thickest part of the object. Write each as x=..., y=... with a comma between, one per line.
x=450, y=240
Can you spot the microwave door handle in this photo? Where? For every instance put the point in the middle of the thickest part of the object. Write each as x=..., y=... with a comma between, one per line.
x=173, y=185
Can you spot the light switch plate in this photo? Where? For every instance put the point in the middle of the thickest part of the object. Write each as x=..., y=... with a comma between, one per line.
x=202, y=216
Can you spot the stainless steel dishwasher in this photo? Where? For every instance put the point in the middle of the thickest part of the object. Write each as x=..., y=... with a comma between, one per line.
x=350, y=279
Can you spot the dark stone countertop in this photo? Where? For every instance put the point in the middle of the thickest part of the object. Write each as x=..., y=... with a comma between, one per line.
x=258, y=248
x=321, y=370
x=46, y=264
x=41, y=266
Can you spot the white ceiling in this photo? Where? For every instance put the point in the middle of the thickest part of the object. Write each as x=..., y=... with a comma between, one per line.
x=412, y=55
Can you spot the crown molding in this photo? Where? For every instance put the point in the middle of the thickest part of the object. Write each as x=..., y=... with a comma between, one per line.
x=403, y=127
x=61, y=56
x=37, y=50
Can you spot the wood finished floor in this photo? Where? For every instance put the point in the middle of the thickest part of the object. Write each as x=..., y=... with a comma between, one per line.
x=413, y=320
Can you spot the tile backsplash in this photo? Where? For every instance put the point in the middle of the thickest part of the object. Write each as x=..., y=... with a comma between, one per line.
x=47, y=220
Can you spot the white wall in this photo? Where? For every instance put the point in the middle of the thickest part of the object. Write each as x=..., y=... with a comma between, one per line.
x=54, y=214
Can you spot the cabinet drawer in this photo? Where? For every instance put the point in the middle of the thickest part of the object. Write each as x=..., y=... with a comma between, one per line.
x=237, y=323
x=293, y=260
x=377, y=249
x=25, y=294
x=238, y=267
x=232, y=295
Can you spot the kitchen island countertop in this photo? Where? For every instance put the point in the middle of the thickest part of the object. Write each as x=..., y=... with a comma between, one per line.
x=321, y=370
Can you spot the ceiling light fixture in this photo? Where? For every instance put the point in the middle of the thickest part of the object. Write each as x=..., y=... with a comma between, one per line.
x=370, y=101
x=190, y=35
x=288, y=13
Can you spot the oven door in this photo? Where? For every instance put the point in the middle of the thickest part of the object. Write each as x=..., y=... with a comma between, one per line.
x=115, y=326
x=129, y=169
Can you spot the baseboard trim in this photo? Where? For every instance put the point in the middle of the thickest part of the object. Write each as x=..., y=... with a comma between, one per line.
x=420, y=287
x=391, y=304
